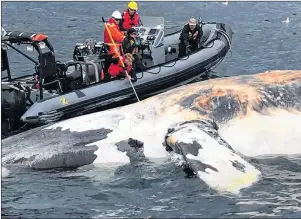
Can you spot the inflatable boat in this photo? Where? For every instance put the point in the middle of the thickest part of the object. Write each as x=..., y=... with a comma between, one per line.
x=60, y=90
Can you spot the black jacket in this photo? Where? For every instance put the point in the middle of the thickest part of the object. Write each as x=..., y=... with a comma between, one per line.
x=184, y=37
x=128, y=44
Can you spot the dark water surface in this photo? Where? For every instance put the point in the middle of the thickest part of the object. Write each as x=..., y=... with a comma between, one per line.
x=261, y=42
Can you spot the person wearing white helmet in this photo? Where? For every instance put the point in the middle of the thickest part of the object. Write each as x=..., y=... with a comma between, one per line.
x=130, y=18
x=112, y=28
x=117, y=15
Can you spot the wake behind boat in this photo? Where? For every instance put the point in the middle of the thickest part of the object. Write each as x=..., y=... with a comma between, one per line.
x=62, y=90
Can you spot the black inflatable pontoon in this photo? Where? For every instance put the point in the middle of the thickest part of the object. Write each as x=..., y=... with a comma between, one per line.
x=75, y=87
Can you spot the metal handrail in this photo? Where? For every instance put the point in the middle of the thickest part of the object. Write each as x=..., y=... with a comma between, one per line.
x=87, y=63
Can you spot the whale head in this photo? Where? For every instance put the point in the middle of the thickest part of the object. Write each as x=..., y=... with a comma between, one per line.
x=209, y=157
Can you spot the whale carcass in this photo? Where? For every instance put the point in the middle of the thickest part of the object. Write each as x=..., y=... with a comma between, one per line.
x=184, y=121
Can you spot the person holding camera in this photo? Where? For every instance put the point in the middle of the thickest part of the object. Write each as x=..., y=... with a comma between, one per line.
x=131, y=45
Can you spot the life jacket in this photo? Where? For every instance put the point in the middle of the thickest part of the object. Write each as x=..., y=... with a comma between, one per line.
x=117, y=36
x=116, y=69
x=130, y=21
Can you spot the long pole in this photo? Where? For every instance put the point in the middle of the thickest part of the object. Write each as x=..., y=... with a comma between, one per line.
x=127, y=75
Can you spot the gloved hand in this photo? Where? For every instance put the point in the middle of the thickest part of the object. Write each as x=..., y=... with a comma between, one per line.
x=137, y=43
x=195, y=35
x=128, y=76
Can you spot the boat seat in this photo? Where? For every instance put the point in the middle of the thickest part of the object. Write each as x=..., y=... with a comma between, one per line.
x=104, y=56
x=74, y=75
x=47, y=65
x=47, y=70
x=62, y=67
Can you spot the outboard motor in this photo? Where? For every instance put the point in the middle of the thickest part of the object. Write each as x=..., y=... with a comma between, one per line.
x=13, y=99
x=13, y=106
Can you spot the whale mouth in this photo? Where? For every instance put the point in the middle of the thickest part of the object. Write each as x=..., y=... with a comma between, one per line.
x=209, y=157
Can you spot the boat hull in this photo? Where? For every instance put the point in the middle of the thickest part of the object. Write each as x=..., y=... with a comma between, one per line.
x=154, y=80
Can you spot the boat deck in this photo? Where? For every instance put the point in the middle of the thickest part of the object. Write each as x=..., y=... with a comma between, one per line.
x=148, y=60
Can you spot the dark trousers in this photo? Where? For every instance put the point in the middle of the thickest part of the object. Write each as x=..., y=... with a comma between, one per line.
x=183, y=48
x=137, y=64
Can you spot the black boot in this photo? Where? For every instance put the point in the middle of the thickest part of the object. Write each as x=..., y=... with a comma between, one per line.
x=182, y=50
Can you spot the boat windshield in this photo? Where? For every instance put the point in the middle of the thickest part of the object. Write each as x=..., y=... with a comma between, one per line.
x=152, y=21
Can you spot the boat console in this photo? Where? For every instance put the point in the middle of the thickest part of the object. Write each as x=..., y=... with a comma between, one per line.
x=147, y=35
x=152, y=42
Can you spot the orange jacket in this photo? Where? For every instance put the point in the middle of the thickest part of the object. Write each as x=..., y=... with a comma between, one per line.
x=130, y=21
x=116, y=34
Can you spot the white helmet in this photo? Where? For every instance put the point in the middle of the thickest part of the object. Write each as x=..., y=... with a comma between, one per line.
x=116, y=15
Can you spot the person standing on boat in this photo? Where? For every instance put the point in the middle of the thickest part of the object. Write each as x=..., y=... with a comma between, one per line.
x=130, y=18
x=115, y=32
x=131, y=45
x=190, y=37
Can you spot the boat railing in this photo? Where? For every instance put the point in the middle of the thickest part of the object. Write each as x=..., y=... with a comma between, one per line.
x=87, y=74
x=58, y=82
